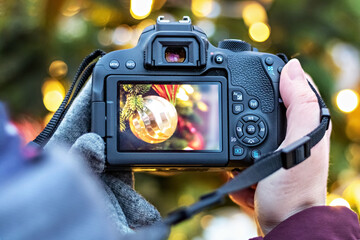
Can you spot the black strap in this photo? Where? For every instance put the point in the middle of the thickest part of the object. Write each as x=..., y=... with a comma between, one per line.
x=287, y=157
x=84, y=71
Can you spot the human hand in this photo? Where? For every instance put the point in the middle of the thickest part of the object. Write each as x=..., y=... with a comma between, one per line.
x=287, y=192
x=126, y=208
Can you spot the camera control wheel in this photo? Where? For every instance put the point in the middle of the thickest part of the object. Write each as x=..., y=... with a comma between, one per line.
x=251, y=130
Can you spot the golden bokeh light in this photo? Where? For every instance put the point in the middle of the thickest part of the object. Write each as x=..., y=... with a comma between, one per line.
x=202, y=8
x=254, y=12
x=140, y=9
x=339, y=202
x=48, y=117
x=52, y=100
x=58, y=69
x=347, y=100
x=259, y=32
x=52, y=85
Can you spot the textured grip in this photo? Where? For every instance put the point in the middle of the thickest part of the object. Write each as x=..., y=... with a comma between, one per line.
x=248, y=72
x=235, y=45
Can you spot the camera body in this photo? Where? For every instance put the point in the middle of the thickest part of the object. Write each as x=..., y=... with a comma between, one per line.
x=176, y=102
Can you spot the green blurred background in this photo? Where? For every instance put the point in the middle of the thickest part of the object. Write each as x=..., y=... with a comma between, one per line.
x=43, y=41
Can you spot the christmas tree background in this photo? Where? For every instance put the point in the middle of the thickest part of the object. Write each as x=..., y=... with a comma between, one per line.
x=42, y=42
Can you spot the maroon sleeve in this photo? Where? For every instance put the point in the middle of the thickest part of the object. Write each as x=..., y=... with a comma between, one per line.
x=323, y=222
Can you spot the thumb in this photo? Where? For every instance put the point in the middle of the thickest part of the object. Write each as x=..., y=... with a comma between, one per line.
x=92, y=147
x=303, y=112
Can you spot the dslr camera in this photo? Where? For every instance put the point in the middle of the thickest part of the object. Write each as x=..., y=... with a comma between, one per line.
x=176, y=102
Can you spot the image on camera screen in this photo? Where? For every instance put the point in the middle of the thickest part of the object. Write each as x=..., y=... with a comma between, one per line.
x=169, y=117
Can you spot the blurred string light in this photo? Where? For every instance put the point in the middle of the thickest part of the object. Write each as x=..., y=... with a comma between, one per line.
x=205, y=8
x=347, y=100
x=255, y=17
x=140, y=9
x=208, y=26
x=139, y=28
x=352, y=193
x=53, y=91
x=254, y=12
x=259, y=32
x=58, y=69
x=122, y=35
x=100, y=15
x=52, y=100
x=70, y=8
x=105, y=37
x=339, y=202
x=71, y=28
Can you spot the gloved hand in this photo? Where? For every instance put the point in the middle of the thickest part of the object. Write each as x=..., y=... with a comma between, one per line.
x=126, y=208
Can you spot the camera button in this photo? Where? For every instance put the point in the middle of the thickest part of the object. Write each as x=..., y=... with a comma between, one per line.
x=255, y=154
x=251, y=141
x=239, y=130
x=238, y=151
x=219, y=59
x=253, y=104
x=262, y=129
x=250, y=118
x=238, y=108
x=269, y=61
x=237, y=96
x=250, y=129
x=130, y=64
x=114, y=64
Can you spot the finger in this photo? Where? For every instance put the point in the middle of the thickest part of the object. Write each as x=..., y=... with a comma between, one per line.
x=92, y=147
x=244, y=198
x=303, y=112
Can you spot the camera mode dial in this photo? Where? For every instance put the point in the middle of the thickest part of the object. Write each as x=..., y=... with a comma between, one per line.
x=235, y=45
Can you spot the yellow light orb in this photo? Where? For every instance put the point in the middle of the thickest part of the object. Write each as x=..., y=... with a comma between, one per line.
x=48, y=117
x=52, y=85
x=254, y=12
x=347, y=100
x=339, y=202
x=58, y=69
x=140, y=9
x=259, y=32
x=52, y=100
x=202, y=8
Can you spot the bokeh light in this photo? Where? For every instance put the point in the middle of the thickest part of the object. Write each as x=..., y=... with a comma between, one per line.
x=202, y=8
x=259, y=32
x=347, y=100
x=48, y=117
x=140, y=9
x=58, y=69
x=122, y=35
x=52, y=85
x=52, y=100
x=339, y=202
x=254, y=12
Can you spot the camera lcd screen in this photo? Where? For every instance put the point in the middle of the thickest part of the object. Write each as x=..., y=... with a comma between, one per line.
x=169, y=117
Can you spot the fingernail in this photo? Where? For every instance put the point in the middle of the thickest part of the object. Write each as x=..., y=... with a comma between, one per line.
x=295, y=71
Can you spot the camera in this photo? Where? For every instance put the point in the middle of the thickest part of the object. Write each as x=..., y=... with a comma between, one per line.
x=176, y=102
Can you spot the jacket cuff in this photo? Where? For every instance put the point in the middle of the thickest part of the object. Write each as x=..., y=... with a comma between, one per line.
x=321, y=222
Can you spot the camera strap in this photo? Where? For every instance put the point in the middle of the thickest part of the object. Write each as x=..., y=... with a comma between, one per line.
x=286, y=157
x=82, y=75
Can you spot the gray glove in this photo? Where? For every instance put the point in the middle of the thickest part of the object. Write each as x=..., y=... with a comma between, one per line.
x=126, y=208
